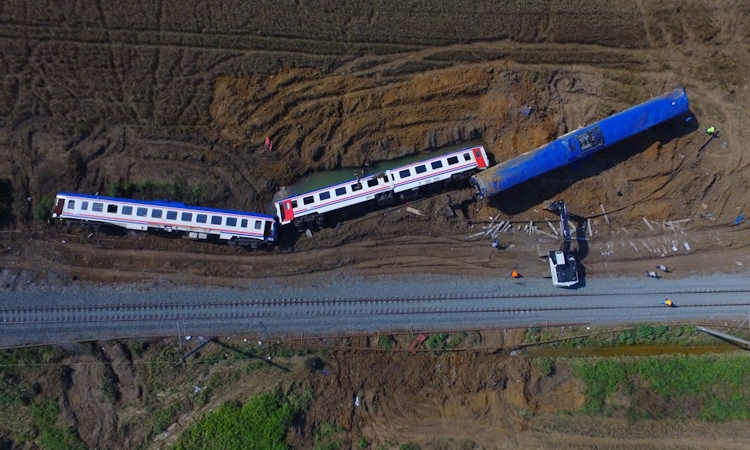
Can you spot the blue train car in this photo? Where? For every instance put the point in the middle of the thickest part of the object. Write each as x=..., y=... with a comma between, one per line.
x=581, y=143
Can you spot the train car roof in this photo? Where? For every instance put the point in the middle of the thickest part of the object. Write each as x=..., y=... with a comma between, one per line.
x=368, y=177
x=166, y=204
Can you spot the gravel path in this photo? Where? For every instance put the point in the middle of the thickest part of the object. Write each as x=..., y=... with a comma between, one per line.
x=335, y=305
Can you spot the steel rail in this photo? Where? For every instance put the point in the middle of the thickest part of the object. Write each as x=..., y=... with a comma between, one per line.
x=240, y=311
x=445, y=297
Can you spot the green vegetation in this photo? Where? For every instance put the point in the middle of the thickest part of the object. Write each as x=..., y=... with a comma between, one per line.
x=408, y=447
x=51, y=435
x=436, y=341
x=149, y=190
x=456, y=339
x=43, y=208
x=363, y=444
x=719, y=386
x=385, y=445
x=261, y=423
x=326, y=437
x=163, y=418
x=385, y=342
x=533, y=335
x=546, y=365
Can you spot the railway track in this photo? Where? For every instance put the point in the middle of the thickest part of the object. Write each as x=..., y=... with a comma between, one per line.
x=300, y=307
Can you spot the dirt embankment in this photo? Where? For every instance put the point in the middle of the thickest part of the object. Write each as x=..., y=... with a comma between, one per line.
x=183, y=98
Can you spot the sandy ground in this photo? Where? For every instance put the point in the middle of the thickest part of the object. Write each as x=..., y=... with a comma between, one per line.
x=185, y=94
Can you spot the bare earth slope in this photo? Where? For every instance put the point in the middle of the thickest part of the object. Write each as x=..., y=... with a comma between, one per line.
x=185, y=93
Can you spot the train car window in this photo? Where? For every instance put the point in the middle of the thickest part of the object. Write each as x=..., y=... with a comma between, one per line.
x=372, y=182
x=356, y=187
x=452, y=160
x=392, y=179
x=98, y=207
x=437, y=164
x=243, y=223
x=201, y=218
x=112, y=208
x=172, y=215
x=307, y=200
x=127, y=210
x=71, y=204
x=421, y=169
x=215, y=220
x=340, y=191
x=294, y=204
x=406, y=173
x=85, y=206
x=141, y=212
x=257, y=224
x=325, y=195
x=467, y=156
x=231, y=221
x=591, y=140
x=156, y=213
x=187, y=217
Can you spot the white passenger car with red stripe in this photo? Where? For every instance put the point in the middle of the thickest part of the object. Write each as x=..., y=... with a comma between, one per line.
x=404, y=181
x=236, y=227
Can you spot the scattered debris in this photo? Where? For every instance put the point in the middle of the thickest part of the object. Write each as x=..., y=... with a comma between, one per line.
x=606, y=219
x=687, y=247
x=553, y=228
x=414, y=211
x=651, y=274
x=739, y=219
x=525, y=110
x=663, y=268
x=309, y=233
x=588, y=225
x=356, y=400
x=648, y=224
x=446, y=211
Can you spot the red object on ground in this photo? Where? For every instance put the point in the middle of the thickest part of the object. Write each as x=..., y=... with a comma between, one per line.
x=417, y=340
x=269, y=144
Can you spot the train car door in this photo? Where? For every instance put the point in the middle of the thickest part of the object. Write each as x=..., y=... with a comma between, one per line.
x=268, y=231
x=287, y=212
x=481, y=163
x=59, y=206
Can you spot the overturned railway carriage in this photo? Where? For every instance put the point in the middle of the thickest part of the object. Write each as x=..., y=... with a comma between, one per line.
x=384, y=188
x=235, y=227
x=581, y=143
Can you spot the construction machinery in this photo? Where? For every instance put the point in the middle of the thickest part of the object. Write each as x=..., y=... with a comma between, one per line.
x=562, y=263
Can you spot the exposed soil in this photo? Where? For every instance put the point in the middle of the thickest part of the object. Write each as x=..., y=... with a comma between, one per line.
x=456, y=399
x=92, y=94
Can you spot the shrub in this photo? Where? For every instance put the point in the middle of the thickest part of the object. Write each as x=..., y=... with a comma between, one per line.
x=363, y=444
x=51, y=436
x=43, y=208
x=385, y=342
x=436, y=341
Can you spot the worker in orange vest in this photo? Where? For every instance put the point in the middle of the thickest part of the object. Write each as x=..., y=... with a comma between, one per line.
x=515, y=274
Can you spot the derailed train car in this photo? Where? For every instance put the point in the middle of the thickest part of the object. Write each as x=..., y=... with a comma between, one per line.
x=580, y=143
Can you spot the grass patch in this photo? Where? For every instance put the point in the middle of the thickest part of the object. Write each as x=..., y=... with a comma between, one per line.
x=51, y=435
x=719, y=386
x=261, y=423
x=149, y=190
x=456, y=339
x=163, y=418
x=362, y=444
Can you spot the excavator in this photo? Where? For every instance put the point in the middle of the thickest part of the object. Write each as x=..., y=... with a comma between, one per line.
x=562, y=263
